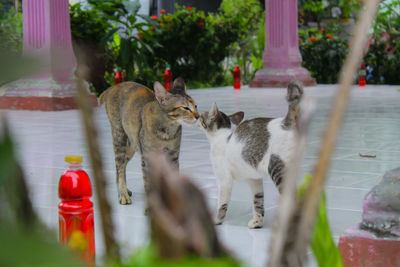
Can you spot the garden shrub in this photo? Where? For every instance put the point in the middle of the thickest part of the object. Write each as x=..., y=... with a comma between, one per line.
x=323, y=54
x=249, y=16
x=383, y=56
x=90, y=30
x=194, y=44
x=107, y=29
x=11, y=32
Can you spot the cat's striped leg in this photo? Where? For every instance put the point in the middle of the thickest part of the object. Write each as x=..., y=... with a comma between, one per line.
x=257, y=189
x=276, y=169
x=224, y=195
x=123, y=153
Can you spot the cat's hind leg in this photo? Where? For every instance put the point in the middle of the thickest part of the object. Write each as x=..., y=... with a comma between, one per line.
x=276, y=169
x=123, y=153
x=224, y=195
x=257, y=189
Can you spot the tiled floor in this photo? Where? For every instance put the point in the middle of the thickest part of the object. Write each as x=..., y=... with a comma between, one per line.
x=372, y=126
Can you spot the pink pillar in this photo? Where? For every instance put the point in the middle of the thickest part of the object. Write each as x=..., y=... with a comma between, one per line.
x=282, y=59
x=47, y=36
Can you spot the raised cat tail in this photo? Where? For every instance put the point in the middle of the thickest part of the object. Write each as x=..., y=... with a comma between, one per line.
x=102, y=97
x=293, y=97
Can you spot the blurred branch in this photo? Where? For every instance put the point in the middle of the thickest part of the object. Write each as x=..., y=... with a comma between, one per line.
x=181, y=224
x=12, y=180
x=112, y=249
x=285, y=229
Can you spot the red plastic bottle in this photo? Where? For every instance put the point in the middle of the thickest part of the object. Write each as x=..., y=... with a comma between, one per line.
x=76, y=221
x=236, y=77
x=167, y=77
x=119, y=77
x=362, y=73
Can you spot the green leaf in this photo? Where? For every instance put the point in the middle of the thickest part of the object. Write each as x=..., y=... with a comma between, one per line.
x=108, y=35
x=324, y=248
x=116, y=39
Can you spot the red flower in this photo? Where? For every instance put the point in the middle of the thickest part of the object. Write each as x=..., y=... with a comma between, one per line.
x=152, y=28
x=188, y=8
x=312, y=38
x=200, y=24
x=329, y=36
x=140, y=36
x=163, y=11
x=300, y=40
x=154, y=17
x=322, y=30
x=201, y=16
x=219, y=22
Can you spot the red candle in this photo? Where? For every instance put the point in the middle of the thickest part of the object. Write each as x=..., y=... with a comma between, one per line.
x=119, y=77
x=167, y=77
x=236, y=77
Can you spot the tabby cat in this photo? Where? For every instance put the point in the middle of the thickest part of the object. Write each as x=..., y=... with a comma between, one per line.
x=143, y=121
x=250, y=151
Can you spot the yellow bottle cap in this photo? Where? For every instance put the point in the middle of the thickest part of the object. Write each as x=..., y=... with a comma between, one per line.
x=73, y=159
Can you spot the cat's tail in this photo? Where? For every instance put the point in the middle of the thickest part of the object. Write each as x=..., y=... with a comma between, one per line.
x=293, y=97
x=102, y=97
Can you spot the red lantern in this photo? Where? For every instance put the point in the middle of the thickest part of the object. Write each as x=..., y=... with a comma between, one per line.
x=167, y=78
x=76, y=221
x=119, y=77
x=236, y=77
x=362, y=73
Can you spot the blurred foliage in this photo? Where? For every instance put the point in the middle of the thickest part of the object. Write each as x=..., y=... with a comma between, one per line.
x=33, y=247
x=323, y=246
x=10, y=31
x=194, y=44
x=24, y=240
x=323, y=53
x=10, y=62
x=146, y=256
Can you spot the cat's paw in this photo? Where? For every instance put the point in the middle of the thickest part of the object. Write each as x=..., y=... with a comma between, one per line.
x=124, y=198
x=129, y=192
x=256, y=223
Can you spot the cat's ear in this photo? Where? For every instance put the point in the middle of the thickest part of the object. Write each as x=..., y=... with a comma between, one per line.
x=237, y=117
x=179, y=84
x=213, y=113
x=161, y=94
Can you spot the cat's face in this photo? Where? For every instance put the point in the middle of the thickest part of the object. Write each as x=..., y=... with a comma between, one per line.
x=214, y=120
x=179, y=106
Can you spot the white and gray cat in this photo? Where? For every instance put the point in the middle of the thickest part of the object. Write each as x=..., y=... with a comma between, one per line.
x=250, y=151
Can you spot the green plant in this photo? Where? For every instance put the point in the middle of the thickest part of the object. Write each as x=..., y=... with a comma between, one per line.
x=324, y=248
x=146, y=256
x=105, y=34
x=127, y=45
x=91, y=35
x=249, y=46
x=11, y=32
x=383, y=55
x=195, y=45
x=323, y=53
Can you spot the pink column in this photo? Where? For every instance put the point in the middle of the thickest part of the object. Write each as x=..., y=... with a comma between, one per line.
x=47, y=36
x=282, y=59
